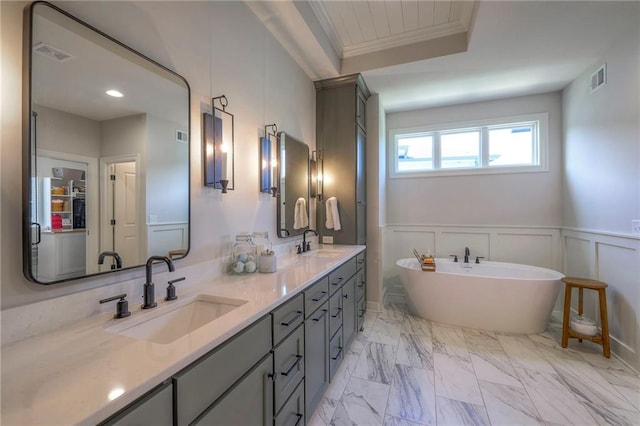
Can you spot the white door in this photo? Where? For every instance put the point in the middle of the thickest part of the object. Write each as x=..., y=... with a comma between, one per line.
x=126, y=232
x=122, y=219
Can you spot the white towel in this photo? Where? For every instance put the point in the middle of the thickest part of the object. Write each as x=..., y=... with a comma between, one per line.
x=300, y=216
x=333, y=216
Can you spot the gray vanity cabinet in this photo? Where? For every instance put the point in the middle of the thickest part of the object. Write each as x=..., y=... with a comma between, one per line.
x=341, y=139
x=155, y=408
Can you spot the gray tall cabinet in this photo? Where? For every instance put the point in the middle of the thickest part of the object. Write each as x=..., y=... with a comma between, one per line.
x=341, y=140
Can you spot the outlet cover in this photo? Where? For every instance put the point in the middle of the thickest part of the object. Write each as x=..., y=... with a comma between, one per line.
x=153, y=218
x=635, y=227
x=327, y=239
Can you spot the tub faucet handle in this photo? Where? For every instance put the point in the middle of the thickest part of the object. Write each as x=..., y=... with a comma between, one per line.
x=455, y=257
x=478, y=258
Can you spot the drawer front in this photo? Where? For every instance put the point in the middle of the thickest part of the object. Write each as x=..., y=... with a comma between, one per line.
x=335, y=353
x=288, y=360
x=204, y=381
x=316, y=295
x=287, y=317
x=248, y=402
x=361, y=259
x=155, y=408
x=340, y=276
x=292, y=413
x=335, y=312
x=361, y=281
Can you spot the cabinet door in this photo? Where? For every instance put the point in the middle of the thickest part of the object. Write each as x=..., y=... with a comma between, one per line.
x=361, y=111
x=154, y=408
x=249, y=402
x=361, y=188
x=349, y=310
x=317, y=356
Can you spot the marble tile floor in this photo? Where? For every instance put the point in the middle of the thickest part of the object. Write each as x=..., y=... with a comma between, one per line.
x=406, y=371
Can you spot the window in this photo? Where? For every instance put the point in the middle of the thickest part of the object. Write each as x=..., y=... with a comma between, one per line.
x=508, y=145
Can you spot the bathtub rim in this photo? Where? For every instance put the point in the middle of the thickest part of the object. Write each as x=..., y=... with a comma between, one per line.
x=415, y=266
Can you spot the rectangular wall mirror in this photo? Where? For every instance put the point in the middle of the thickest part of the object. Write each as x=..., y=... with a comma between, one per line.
x=293, y=191
x=105, y=151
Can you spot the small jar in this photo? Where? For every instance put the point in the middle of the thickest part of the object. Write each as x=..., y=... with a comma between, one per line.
x=262, y=242
x=243, y=255
x=267, y=260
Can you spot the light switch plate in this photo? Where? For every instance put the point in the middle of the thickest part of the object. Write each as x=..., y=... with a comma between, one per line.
x=327, y=239
x=635, y=227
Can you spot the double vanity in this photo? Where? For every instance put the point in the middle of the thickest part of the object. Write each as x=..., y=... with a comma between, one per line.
x=253, y=349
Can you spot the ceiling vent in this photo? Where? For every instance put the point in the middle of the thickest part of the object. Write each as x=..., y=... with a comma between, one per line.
x=599, y=78
x=51, y=52
x=182, y=136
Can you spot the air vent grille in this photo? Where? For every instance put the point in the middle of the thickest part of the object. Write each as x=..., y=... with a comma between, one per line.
x=182, y=136
x=599, y=78
x=51, y=52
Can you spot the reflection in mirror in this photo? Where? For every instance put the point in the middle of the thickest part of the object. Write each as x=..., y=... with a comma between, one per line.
x=106, y=153
x=293, y=194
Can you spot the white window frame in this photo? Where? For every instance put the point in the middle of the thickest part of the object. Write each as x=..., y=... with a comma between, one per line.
x=541, y=147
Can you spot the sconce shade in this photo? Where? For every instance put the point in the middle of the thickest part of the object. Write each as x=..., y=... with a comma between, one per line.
x=218, y=140
x=265, y=165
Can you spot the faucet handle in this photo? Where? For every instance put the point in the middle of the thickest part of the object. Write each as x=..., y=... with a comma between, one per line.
x=122, y=307
x=298, y=248
x=478, y=258
x=455, y=257
x=308, y=248
x=171, y=289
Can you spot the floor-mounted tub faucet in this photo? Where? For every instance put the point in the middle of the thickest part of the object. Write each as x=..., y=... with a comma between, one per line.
x=113, y=254
x=466, y=254
x=149, y=287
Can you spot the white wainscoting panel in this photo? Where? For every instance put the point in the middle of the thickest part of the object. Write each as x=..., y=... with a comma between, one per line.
x=614, y=259
x=164, y=237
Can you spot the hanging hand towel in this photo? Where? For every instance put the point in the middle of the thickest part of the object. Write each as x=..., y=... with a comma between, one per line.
x=300, y=216
x=333, y=216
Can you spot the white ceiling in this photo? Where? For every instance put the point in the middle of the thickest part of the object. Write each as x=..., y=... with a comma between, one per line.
x=514, y=47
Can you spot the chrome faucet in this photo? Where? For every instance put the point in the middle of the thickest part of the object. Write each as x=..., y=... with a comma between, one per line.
x=149, y=287
x=306, y=245
x=466, y=255
x=113, y=254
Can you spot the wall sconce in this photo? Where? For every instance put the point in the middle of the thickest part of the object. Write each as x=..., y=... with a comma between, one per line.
x=269, y=160
x=316, y=175
x=218, y=134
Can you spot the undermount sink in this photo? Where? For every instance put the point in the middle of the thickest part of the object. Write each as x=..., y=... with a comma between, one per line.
x=326, y=252
x=169, y=323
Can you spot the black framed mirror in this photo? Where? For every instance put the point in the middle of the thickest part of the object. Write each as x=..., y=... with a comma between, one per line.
x=105, y=152
x=293, y=190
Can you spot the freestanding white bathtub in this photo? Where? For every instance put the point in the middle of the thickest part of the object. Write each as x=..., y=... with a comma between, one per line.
x=496, y=296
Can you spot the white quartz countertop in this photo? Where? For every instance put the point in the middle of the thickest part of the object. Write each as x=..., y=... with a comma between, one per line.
x=75, y=374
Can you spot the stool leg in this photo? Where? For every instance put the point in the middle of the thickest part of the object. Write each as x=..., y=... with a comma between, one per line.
x=606, y=348
x=565, y=316
x=580, y=304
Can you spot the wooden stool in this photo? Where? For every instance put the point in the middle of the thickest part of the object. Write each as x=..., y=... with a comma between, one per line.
x=581, y=284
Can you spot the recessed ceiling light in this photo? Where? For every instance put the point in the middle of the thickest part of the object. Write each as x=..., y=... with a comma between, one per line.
x=114, y=93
